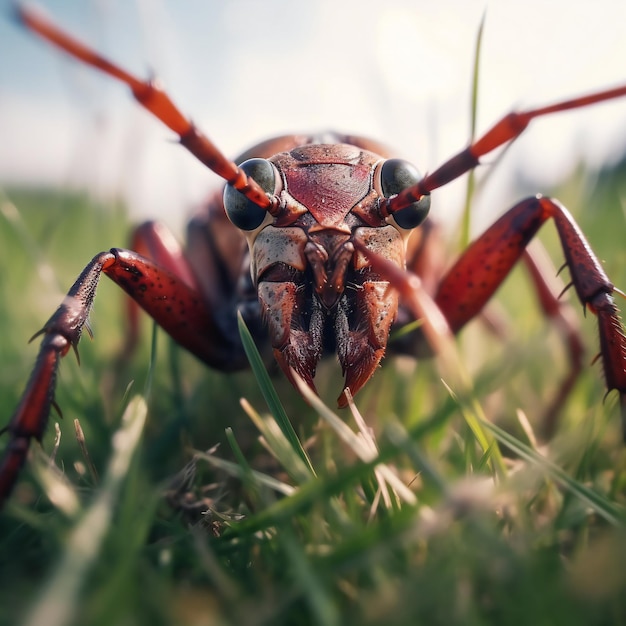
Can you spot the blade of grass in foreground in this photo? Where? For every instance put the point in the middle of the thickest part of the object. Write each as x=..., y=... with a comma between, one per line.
x=60, y=597
x=274, y=440
x=269, y=393
x=365, y=450
x=602, y=506
x=471, y=177
x=330, y=485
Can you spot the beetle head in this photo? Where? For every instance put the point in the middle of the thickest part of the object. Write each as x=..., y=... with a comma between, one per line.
x=316, y=291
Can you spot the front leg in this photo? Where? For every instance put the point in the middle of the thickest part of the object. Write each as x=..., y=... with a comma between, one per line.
x=482, y=268
x=177, y=307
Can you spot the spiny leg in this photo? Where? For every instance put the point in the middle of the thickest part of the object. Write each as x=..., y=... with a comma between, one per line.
x=61, y=332
x=426, y=261
x=560, y=312
x=178, y=308
x=482, y=268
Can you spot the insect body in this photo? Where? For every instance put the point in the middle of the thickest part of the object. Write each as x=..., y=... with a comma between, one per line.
x=311, y=241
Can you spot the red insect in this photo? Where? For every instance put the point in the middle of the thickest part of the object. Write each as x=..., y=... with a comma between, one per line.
x=311, y=241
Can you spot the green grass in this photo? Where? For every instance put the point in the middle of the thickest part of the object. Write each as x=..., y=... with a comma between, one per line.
x=437, y=518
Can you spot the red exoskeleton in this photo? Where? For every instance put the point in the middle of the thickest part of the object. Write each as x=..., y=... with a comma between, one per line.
x=315, y=241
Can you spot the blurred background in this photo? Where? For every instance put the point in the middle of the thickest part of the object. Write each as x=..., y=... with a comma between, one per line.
x=398, y=71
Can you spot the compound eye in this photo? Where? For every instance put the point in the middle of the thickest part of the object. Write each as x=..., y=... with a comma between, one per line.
x=396, y=175
x=241, y=211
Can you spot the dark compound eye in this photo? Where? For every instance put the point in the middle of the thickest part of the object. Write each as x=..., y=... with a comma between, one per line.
x=396, y=175
x=244, y=213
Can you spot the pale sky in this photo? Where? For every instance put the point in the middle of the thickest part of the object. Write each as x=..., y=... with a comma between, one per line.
x=398, y=71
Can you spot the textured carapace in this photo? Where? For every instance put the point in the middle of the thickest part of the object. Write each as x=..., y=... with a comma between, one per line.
x=316, y=291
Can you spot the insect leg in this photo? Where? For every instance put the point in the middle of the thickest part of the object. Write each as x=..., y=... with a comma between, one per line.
x=482, y=268
x=177, y=307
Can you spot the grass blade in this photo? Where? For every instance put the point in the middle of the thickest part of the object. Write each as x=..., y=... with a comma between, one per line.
x=59, y=599
x=471, y=177
x=610, y=511
x=269, y=393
